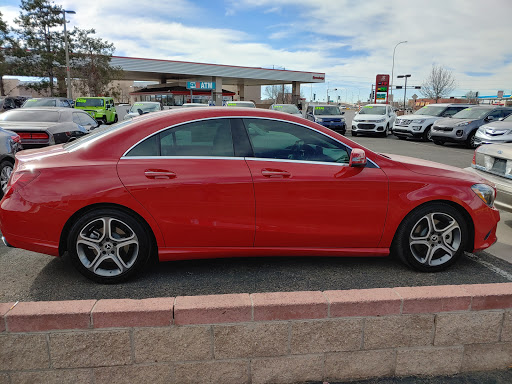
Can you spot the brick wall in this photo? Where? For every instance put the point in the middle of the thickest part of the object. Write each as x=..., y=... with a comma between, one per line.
x=291, y=337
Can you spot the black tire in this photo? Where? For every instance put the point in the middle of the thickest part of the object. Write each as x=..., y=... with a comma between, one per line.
x=104, y=120
x=427, y=134
x=411, y=242
x=6, y=168
x=87, y=242
x=115, y=119
x=353, y=133
x=438, y=142
x=470, y=141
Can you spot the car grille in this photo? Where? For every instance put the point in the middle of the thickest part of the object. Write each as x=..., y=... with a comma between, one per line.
x=403, y=122
x=332, y=120
x=492, y=132
x=366, y=126
x=444, y=129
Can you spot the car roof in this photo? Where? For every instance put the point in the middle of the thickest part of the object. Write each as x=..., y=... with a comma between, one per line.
x=450, y=105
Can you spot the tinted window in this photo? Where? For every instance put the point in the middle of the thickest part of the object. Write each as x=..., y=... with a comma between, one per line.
x=450, y=111
x=496, y=114
x=201, y=138
x=84, y=102
x=272, y=139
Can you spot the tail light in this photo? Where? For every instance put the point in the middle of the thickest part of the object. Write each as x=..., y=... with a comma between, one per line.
x=33, y=135
x=16, y=138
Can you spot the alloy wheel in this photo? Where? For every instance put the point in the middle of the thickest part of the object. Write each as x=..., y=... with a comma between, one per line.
x=5, y=175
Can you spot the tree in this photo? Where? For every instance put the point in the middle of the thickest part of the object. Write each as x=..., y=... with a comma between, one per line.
x=472, y=97
x=91, y=64
x=39, y=30
x=439, y=83
x=278, y=93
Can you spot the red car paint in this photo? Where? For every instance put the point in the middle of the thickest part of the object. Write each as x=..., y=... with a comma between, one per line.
x=218, y=207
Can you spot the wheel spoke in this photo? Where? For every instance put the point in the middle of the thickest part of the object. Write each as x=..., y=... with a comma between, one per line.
x=450, y=228
x=119, y=262
x=92, y=233
x=420, y=242
x=112, y=230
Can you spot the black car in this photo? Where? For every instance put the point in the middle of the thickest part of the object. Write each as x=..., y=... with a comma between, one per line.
x=10, y=143
x=39, y=127
x=7, y=103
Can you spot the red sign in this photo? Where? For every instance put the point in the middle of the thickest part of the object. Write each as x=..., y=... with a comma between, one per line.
x=381, y=88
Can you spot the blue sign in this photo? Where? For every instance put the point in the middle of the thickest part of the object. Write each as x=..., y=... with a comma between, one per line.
x=201, y=85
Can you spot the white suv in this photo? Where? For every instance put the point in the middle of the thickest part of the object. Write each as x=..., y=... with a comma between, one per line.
x=374, y=119
x=418, y=124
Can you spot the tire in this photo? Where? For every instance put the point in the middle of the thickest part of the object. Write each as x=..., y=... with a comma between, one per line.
x=6, y=168
x=438, y=142
x=385, y=133
x=354, y=133
x=94, y=250
x=427, y=135
x=104, y=121
x=431, y=238
x=470, y=141
x=115, y=119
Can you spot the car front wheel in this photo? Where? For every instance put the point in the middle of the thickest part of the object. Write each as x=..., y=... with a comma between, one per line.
x=108, y=245
x=5, y=174
x=432, y=237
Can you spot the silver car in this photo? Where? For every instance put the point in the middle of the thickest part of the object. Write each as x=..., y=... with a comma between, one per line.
x=495, y=132
x=494, y=163
x=462, y=127
x=141, y=108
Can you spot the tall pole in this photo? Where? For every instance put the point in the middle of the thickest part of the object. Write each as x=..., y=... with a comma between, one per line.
x=405, y=89
x=68, y=75
x=393, y=67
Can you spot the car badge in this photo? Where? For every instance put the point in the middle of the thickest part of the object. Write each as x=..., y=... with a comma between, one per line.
x=500, y=152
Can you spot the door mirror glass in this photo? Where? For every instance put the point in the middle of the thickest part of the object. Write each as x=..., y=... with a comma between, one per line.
x=489, y=118
x=357, y=158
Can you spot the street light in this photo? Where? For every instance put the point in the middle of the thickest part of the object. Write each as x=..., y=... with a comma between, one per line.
x=393, y=67
x=68, y=78
x=332, y=89
x=405, y=88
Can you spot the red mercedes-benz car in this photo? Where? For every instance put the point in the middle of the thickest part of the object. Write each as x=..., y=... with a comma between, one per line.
x=222, y=182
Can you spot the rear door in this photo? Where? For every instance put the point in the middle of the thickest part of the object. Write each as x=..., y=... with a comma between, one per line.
x=191, y=182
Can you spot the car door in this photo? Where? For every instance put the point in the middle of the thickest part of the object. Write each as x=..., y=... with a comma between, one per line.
x=188, y=178
x=307, y=195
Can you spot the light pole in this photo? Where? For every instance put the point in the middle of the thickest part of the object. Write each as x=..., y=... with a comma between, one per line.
x=68, y=76
x=393, y=68
x=405, y=88
x=332, y=89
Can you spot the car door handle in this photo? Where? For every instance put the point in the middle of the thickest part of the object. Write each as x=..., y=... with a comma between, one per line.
x=159, y=174
x=268, y=172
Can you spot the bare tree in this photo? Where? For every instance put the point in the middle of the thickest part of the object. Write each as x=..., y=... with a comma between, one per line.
x=278, y=93
x=472, y=97
x=439, y=83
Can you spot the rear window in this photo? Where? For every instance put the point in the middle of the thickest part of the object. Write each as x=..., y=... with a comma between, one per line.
x=28, y=115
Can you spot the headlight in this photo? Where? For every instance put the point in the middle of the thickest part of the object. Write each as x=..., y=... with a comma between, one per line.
x=421, y=121
x=485, y=192
x=380, y=121
x=318, y=119
x=464, y=123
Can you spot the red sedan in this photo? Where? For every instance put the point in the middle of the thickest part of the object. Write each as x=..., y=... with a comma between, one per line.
x=224, y=182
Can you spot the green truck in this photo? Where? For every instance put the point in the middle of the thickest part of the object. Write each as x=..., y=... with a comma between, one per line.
x=100, y=108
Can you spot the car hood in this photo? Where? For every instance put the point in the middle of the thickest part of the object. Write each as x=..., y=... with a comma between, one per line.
x=431, y=168
x=498, y=125
x=369, y=117
x=417, y=117
x=451, y=122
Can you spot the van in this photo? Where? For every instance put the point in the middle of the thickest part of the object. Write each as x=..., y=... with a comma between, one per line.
x=100, y=108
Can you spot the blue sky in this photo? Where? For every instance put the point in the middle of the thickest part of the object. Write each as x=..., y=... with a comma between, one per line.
x=350, y=41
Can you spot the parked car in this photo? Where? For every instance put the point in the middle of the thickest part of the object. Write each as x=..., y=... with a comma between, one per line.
x=292, y=109
x=100, y=108
x=493, y=162
x=10, y=144
x=495, y=132
x=327, y=115
x=40, y=127
x=244, y=104
x=374, y=119
x=7, y=103
x=60, y=102
x=142, y=107
x=221, y=182
x=193, y=105
x=419, y=124
x=462, y=127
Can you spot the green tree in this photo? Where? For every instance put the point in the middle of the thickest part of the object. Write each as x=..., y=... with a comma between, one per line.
x=91, y=59
x=40, y=27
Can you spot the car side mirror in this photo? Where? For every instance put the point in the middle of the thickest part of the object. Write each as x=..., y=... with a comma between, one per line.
x=357, y=158
x=342, y=113
x=489, y=118
x=140, y=111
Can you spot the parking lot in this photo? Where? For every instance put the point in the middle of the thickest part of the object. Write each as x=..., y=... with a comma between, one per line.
x=28, y=276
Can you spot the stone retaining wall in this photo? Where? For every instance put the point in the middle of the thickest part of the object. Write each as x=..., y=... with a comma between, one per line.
x=279, y=337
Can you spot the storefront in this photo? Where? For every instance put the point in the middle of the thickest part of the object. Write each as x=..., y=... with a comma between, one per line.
x=170, y=96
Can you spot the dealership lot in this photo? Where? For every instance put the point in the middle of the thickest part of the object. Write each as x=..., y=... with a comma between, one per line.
x=29, y=276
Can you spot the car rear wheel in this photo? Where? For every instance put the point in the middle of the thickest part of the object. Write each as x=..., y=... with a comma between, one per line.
x=108, y=245
x=427, y=135
x=5, y=174
x=431, y=238
x=470, y=142
x=116, y=119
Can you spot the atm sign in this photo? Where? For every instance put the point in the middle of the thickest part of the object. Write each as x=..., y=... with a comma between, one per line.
x=202, y=85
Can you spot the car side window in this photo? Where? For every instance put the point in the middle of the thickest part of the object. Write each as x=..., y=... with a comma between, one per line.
x=496, y=114
x=272, y=139
x=87, y=120
x=76, y=119
x=450, y=111
x=200, y=138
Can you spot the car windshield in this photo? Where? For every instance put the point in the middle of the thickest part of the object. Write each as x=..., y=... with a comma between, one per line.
x=83, y=102
x=40, y=103
x=472, y=113
x=144, y=107
x=430, y=111
x=241, y=104
x=27, y=115
x=327, y=110
x=373, y=110
x=288, y=108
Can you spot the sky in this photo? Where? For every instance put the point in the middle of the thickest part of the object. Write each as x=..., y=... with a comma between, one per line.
x=350, y=41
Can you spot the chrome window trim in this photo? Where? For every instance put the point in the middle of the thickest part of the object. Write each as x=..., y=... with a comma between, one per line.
x=181, y=157
x=235, y=117
x=295, y=161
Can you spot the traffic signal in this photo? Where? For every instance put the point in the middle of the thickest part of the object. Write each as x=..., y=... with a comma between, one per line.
x=398, y=87
x=314, y=96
